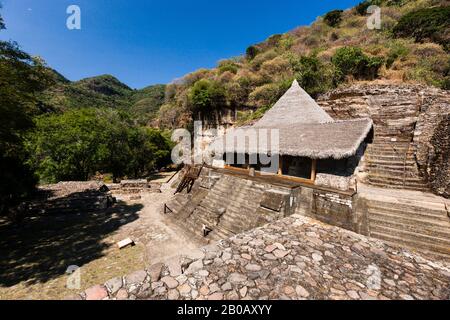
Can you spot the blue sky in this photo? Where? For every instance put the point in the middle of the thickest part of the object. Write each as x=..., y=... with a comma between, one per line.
x=144, y=42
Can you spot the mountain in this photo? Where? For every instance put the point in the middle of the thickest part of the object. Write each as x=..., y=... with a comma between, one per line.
x=104, y=91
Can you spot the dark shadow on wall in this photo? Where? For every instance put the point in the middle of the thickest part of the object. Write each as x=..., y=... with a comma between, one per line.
x=43, y=246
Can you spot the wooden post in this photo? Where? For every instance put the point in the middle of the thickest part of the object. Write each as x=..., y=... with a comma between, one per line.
x=313, y=170
x=280, y=166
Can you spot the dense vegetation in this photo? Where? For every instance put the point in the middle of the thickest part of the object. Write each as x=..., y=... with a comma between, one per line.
x=79, y=143
x=105, y=91
x=52, y=129
x=22, y=78
x=426, y=24
x=336, y=49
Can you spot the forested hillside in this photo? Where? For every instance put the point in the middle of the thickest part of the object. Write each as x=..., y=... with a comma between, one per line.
x=338, y=48
x=104, y=91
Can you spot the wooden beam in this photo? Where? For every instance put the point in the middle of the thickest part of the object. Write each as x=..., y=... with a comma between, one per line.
x=313, y=170
x=280, y=166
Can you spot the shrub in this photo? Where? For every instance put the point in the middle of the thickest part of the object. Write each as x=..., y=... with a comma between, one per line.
x=274, y=40
x=423, y=24
x=396, y=51
x=286, y=42
x=229, y=66
x=362, y=7
x=251, y=52
x=275, y=68
x=206, y=96
x=261, y=58
x=352, y=61
x=333, y=18
x=313, y=75
x=268, y=94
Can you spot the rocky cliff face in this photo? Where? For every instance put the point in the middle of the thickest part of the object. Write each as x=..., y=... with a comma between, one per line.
x=416, y=116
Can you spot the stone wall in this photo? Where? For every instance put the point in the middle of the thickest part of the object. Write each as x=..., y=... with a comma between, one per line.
x=432, y=140
x=226, y=204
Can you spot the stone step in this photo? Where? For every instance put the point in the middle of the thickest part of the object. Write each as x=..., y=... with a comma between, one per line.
x=427, y=242
x=407, y=208
x=413, y=218
x=392, y=163
x=220, y=234
x=398, y=183
x=390, y=151
x=388, y=158
x=440, y=250
x=420, y=227
x=398, y=173
x=392, y=178
x=421, y=188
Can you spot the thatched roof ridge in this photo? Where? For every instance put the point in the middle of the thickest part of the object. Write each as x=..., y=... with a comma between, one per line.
x=337, y=140
x=295, y=106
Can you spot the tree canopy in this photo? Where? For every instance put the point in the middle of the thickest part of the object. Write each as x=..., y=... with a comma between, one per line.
x=22, y=79
x=79, y=143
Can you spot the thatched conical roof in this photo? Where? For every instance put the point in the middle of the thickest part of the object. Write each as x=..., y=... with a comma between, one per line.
x=304, y=129
x=294, y=107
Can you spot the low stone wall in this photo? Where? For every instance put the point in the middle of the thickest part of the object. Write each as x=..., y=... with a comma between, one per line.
x=70, y=197
x=293, y=258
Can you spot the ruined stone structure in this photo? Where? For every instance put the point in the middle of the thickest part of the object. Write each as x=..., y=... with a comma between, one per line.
x=411, y=126
x=292, y=258
x=409, y=121
x=274, y=237
x=70, y=198
x=133, y=189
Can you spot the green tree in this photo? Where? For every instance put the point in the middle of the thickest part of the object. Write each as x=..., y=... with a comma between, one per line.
x=22, y=79
x=313, y=75
x=68, y=146
x=333, y=18
x=352, y=61
x=150, y=150
x=77, y=144
x=251, y=52
x=206, y=96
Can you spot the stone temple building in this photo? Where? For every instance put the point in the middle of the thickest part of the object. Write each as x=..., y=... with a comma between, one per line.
x=313, y=148
x=356, y=170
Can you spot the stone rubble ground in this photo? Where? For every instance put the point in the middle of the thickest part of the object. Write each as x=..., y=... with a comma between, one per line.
x=294, y=258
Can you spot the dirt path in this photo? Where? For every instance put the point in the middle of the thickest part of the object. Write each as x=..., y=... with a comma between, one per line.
x=35, y=257
x=161, y=238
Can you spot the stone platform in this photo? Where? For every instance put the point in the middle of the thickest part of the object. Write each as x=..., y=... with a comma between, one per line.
x=293, y=258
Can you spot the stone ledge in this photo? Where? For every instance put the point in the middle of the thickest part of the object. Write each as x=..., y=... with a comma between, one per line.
x=293, y=258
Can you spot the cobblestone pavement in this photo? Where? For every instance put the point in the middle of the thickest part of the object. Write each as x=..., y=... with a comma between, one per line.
x=294, y=258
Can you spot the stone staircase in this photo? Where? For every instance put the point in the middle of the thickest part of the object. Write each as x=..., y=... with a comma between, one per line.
x=228, y=208
x=393, y=165
x=227, y=205
x=422, y=224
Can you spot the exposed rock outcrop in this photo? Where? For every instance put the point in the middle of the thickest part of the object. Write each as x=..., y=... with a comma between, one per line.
x=415, y=116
